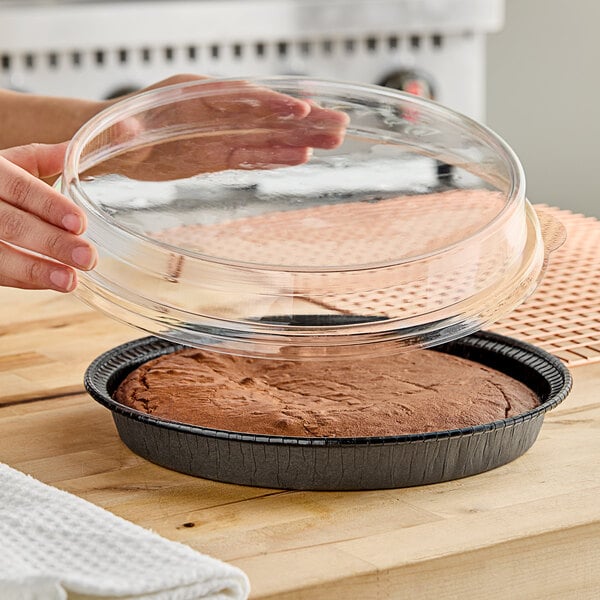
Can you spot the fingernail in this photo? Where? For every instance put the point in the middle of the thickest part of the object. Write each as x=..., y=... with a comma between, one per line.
x=83, y=256
x=73, y=223
x=327, y=141
x=62, y=280
x=293, y=108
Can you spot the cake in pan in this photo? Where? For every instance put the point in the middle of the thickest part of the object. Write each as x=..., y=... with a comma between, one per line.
x=414, y=392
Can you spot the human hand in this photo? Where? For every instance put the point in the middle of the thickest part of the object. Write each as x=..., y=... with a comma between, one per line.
x=35, y=218
x=236, y=125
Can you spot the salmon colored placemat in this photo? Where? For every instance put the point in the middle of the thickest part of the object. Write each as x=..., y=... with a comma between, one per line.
x=563, y=316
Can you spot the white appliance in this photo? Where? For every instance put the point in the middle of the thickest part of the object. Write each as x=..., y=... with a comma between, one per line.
x=97, y=49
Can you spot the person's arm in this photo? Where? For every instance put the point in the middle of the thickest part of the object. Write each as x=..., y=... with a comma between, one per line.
x=30, y=118
x=27, y=118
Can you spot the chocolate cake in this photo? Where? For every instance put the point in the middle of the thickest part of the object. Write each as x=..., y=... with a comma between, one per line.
x=414, y=392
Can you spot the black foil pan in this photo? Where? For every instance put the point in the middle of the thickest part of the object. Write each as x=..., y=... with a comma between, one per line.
x=337, y=463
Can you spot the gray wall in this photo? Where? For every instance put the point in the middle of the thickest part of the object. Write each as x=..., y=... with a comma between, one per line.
x=543, y=97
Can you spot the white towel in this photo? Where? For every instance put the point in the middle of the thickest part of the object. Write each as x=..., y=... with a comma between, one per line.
x=56, y=546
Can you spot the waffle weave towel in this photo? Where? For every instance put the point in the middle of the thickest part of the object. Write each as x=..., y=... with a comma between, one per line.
x=56, y=546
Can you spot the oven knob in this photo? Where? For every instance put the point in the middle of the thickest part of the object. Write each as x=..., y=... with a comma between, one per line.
x=417, y=82
x=122, y=90
x=412, y=81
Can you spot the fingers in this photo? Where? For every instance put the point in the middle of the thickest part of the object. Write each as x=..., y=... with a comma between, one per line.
x=278, y=142
x=234, y=126
x=174, y=79
x=248, y=101
x=229, y=104
x=327, y=127
x=19, y=189
x=179, y=160
x=35, y=218
x=265, y=158
x=22, y=270
x=41, y=160
x=27, y=231
x=252, y=120
x=220, y=157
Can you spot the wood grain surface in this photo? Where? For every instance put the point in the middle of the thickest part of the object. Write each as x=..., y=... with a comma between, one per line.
x=528, y=530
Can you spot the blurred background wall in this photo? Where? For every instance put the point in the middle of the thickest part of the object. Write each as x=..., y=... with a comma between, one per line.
x=543, y=97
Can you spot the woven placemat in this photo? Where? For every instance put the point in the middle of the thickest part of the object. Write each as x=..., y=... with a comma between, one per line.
x=348, y=234
x=563, y=315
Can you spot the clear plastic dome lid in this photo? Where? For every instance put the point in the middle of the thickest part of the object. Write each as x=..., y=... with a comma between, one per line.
x=296, y=218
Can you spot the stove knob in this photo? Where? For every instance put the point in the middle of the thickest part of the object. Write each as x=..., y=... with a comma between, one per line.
x=122, y=90
x=417, y=82
x=412, y=81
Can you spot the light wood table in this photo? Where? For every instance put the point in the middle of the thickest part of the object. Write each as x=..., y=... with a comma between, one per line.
x=528, y=530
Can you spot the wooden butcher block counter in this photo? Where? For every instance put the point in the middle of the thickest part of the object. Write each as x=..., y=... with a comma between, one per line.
x=529, y=530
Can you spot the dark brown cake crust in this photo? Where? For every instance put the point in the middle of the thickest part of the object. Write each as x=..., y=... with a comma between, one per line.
x=415, y=392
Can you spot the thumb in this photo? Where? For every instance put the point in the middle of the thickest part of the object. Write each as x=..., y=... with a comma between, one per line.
x=41, y=160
